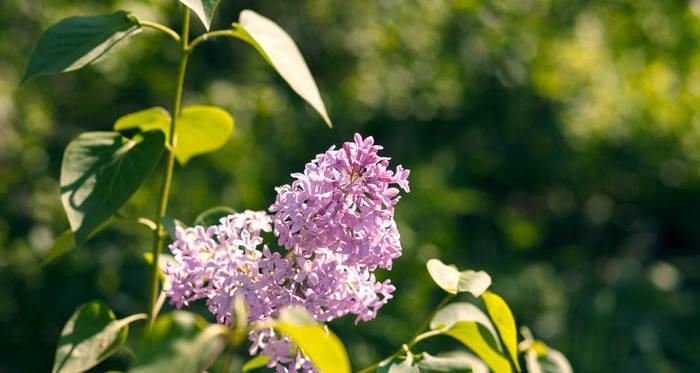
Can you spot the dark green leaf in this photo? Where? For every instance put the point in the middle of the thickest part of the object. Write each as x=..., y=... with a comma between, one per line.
x=78, y=41
x=450, y=279
x=505, y=323
x=213, y=215
x=179, y=342
x=200, y=129
x=90, y=336
x=100, y=171
x=455, y=361
x=204, y=9
x=323, y=348
x=257, y=362
x=280, y=51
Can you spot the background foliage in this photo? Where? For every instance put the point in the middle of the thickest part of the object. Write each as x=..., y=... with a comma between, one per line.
x=553, y=143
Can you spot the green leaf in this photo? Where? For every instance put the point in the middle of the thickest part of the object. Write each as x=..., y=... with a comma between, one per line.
x=213, y=215
x=100, y=171
x=280, y=51
x=455, y=361
x=505, y=323
x=204, y=9
x=91, y=335
x=480, y=340
x=453, y=313
x=257, y=362
x=322, y=347
x=179, y=342
x=547, y=360
x=450, y=279
x=200, y=129
x=62, y=245
x=78, y=41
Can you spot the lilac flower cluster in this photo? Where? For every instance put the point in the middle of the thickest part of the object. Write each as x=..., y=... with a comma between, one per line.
x=335, y=222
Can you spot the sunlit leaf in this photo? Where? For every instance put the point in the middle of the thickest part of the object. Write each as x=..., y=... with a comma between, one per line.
x=450, y=279
x=455, y=361
x=255, y=363
x=200, y=129
x=453, y=313
x=100, y=171
x=78, y=41
x=204, y=9
x=505, y=323
x=480, y=340
x=179, y=342
x=91, y=335
x=323, y=348
x=213, y=215
x=543, y=359
x=280, y=51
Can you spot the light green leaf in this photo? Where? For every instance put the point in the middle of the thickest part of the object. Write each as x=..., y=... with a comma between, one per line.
x=257, y=362
x=179, y=342
x=78, y=41
x=100, y=171
x=542, y=359
x=455, y=361
x=280, y=51
x=322, y=347
x=200, y=129
x=91, y=335
x=453, y=313
x=204, y=9
x=505, y=323
x=450, y=279
x=213, y=215
x=480, y=340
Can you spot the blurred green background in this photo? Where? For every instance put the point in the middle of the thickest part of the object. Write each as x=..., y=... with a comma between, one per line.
x=553, y=143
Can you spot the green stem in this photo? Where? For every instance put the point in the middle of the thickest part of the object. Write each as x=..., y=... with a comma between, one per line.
x=157, y=26
x=170, y=165
x=419, y=336
x=210, y=35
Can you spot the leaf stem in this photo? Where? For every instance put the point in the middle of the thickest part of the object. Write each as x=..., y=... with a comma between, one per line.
x=210, y=35
x=157, y=26
x=419, y=336
x=168, y=176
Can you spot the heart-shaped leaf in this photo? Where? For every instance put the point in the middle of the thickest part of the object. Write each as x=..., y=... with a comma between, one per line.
x=200, y=129
x=204, y=9
x=179, y=342
x=455, y=361
x=213, y=215
x=505, y=323
x=91, y=335
x=78, y=41
x=280, y=51
x=100, y=171
x=450, y=279
x=323, y=348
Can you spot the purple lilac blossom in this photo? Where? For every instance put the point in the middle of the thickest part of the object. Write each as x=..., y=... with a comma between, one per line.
x=336, y=223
